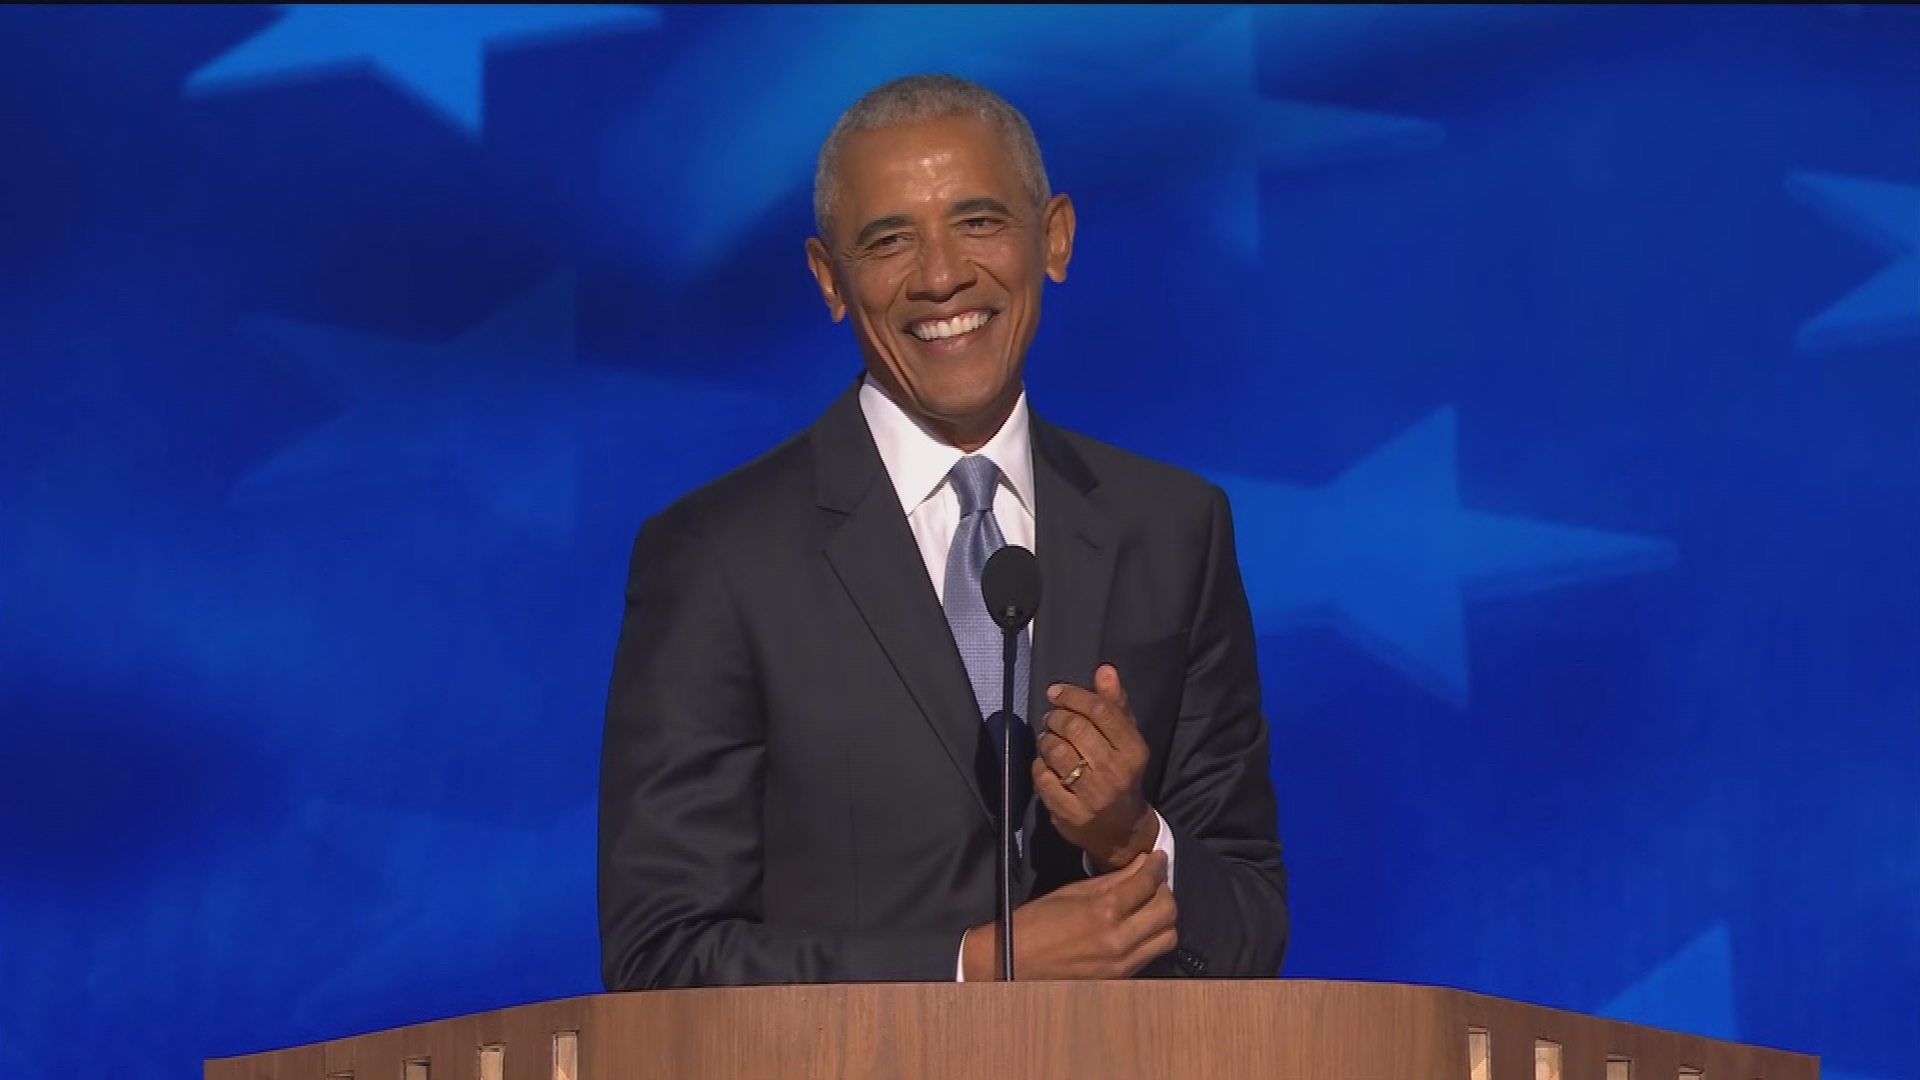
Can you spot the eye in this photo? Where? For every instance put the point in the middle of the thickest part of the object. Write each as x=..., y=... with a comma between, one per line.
x=978, y=224
x=888, y=242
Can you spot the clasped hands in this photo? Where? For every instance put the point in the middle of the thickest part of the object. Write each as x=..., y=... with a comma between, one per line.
x=1088, y=773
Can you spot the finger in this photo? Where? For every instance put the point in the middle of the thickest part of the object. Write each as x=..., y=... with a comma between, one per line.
x=1125, y=735
x=1153, y=948
x=1153, y=919
x=1135, y=891
x=1078, y=776
x=1079, y=730
x=1085, y=717
x=1079, y=742
x=1146, y=932
x=1106, y=683
x=1158, y=865
x=1056, y=747
x=1158, y=915
x=1134, y=868
x=1113, y=721
x=1066, y=808
x=1159, y=912
x=1075, y=698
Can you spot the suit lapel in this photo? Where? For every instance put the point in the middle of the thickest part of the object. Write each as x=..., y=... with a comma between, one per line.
x=873, y=553
x=1077, y=545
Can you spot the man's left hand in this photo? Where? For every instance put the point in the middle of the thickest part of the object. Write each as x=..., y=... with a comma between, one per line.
x=1088, y=770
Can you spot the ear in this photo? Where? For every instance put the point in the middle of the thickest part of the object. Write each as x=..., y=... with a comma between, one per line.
x=821, y=263
x=1057, y=222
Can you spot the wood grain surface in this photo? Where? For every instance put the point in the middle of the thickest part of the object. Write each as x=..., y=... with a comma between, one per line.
x=1270, y=1029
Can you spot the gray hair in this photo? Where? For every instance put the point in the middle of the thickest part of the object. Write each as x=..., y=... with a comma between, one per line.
x=918, y=98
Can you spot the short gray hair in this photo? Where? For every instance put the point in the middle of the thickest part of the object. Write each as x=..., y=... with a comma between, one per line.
x=912, y=100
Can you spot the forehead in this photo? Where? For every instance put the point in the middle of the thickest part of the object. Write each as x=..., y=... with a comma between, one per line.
x=884, y=170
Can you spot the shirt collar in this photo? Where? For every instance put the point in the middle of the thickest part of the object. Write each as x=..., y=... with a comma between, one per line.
x=918, y=461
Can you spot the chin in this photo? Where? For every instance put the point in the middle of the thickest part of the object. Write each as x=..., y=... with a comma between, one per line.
x=960, y=403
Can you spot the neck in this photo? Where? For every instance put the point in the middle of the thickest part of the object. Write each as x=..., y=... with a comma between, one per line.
x=966, y=434
x=976, y=432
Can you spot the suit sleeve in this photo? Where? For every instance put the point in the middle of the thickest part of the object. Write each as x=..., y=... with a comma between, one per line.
x=1217, y=795
x=681, y=799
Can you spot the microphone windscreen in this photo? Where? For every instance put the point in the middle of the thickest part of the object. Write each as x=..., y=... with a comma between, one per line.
x=1010, y=584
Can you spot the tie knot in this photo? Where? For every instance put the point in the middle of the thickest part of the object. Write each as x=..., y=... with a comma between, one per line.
x=974, y=477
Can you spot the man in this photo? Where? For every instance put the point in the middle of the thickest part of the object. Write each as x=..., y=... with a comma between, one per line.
x=796, y=781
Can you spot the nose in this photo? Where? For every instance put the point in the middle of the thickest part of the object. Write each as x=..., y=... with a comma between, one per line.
x=940, y=270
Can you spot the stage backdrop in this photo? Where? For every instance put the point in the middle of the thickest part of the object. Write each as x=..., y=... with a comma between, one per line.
x=1563, y=366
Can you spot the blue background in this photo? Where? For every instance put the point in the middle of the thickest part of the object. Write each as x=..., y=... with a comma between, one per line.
x=1563, y=364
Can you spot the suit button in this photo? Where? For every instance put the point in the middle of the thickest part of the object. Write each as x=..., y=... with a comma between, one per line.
x=1191, y=963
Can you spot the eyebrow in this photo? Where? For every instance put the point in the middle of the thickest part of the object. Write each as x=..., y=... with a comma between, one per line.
x=975, y=205
x=878, y=225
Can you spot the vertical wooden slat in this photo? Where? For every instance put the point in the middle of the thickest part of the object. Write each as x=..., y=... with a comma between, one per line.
x=1479, y=1055
x=566, y=1055
x=1546, y=1060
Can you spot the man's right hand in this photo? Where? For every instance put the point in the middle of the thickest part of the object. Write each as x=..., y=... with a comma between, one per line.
x=1106, y=927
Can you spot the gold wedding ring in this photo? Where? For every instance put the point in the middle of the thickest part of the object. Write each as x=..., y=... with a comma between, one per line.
x=1073, y=777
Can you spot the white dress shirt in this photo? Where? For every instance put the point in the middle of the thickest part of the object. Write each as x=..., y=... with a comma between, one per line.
x=918, y=461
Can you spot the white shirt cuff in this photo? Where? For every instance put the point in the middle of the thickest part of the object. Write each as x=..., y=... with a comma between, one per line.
x=1162, y=842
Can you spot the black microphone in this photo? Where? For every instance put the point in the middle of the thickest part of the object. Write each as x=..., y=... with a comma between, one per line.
x=1010, y=584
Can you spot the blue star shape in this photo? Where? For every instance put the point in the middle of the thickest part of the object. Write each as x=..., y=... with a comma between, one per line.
x=1128, y=89
x=1690, y=991
x=534, y=875
x=1207, y=88
x=1887, y=307
x=434, y=53
x=1386, y=554
x=499, y=411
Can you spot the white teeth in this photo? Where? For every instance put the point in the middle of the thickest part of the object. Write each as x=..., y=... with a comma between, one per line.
x=942, y=329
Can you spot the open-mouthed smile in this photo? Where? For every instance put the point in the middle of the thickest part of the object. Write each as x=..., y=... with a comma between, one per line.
x=952, y=327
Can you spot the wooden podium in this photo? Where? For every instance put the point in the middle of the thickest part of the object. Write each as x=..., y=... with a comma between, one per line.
x=1269, y=1029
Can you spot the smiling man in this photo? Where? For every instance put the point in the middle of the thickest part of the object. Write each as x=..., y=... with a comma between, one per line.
x=798, y=779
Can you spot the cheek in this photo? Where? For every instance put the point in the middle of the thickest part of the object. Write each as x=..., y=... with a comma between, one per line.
x=1006, y=258
x=1017, y=270
x=875, y=295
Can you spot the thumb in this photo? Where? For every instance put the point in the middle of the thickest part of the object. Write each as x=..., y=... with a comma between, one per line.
x=1106, y=683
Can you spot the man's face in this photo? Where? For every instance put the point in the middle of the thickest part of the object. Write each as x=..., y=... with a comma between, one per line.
x=938, y=256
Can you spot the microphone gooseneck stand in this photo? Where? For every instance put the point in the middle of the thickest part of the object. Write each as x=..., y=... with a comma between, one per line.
x=1011, y=657
x=1010, y=585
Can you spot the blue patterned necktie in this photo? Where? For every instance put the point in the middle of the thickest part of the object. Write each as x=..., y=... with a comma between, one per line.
x=975, y=479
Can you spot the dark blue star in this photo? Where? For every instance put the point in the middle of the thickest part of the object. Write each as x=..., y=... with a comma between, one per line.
x=1129, y=90
x=1690, y=991
x=1386, y=551
x=1887, y=307
x=1206, y=87
x=500, y=411
x=434, y=53
x=414, y=926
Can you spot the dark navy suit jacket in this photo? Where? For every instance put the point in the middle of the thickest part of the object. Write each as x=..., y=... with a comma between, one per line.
x=789, y=786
